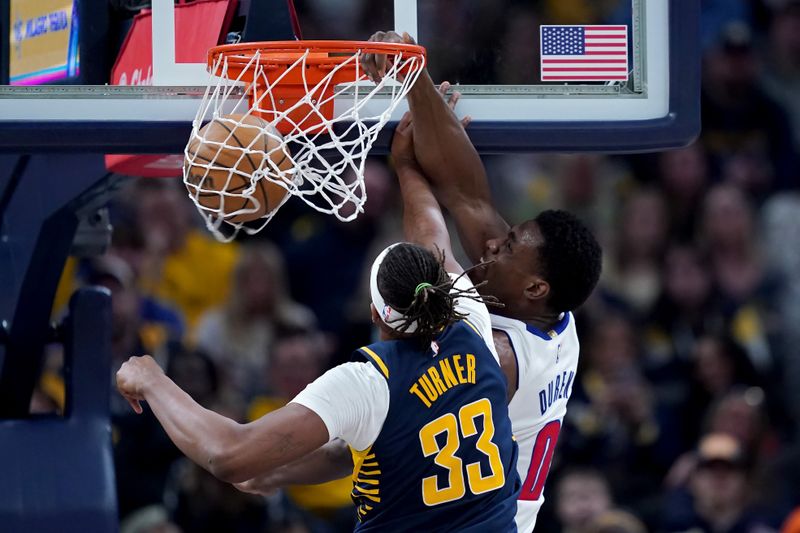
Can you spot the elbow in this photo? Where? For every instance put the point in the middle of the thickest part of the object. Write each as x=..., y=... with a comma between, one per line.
x=223, y=461
x=223, y=466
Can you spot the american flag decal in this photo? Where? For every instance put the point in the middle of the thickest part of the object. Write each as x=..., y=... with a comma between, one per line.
x=584, y=53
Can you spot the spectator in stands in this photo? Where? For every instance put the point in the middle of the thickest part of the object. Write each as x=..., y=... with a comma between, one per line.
x=238, y=335
x=205, y=504
x=683, y=175
x=314, y=243
x=518, y=46
x=584, y=184
x=185, y=266
x=202, y=503
x=742, y=414
x=717, y=14
x=781, y=240
x=297, y=360
x=143, y=454
x=782, y=58
x=686, y=308
x=582, y=495
x=747, y=134
x=719, y=496
x=719, y=366
x=614, y=420
x=139, y=324
x=737, y=264
x=634, y=275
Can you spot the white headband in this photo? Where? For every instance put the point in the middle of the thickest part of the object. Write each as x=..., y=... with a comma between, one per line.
x=390, y=316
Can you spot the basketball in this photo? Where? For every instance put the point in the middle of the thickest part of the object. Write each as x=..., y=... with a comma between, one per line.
x=221, y=159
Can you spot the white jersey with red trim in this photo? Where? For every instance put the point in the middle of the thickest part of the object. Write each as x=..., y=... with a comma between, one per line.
x=546, y=367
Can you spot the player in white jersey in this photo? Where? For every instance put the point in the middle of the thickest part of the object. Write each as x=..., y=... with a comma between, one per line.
x=541, y=270
x=546, y=366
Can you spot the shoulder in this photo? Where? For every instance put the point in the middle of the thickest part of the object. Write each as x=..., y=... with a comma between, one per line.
x=505, y=323
x=345, y=380
x=378, y=354
x=472, y=307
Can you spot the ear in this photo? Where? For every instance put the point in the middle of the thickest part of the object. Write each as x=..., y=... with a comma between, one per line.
x=537, y=289
x=385, y=332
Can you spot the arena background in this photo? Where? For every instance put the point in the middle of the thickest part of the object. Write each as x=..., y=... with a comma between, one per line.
x=693, y=330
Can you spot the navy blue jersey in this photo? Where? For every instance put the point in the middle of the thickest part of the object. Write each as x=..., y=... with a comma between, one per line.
x=445, y=459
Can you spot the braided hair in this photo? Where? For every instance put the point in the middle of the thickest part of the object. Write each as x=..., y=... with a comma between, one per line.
x=413, y=280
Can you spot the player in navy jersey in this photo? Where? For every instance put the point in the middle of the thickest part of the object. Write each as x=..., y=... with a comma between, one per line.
x=443, y=458
x=423, y=411
x=541, y=269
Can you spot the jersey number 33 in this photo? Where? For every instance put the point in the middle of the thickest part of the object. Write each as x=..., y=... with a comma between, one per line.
x=446, y=456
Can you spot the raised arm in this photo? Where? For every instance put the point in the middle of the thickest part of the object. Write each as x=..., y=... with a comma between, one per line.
x=448, y=159
x=423, y=222
x=231, y=451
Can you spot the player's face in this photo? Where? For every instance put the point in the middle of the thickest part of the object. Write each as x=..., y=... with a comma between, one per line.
x=514, y=264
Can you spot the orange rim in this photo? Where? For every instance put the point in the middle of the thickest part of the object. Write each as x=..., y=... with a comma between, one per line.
x=329, y=52
x=273, y=73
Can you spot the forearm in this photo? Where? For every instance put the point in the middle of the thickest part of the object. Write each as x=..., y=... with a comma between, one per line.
x=423, y=222
x=199, y=433
x=443, y=149
x=422, y=216
x=451, y=163
x=328, y=463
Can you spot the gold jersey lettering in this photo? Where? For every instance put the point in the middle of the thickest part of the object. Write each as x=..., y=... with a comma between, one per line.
x=437, y=381
x=459, y=369
x=470, y=368
x=415, y=390
x=447, y=373
x=427, y=386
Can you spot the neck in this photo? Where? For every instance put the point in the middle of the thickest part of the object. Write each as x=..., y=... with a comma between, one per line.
x=542, y=320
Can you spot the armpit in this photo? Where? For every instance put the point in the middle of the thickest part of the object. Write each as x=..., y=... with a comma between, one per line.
x=508, y=360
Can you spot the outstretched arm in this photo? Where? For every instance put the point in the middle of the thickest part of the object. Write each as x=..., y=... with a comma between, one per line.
x=332, y=461
x=423, y=222
x=448, y=158
x=231, y=451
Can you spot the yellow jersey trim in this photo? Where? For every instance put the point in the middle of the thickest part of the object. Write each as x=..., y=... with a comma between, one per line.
x=470, y=324
x=378, y=361
x=358, y=459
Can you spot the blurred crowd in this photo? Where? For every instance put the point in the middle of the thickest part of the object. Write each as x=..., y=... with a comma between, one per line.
x=685, y=415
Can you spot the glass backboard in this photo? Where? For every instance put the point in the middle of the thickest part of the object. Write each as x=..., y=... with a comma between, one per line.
x=614, y=76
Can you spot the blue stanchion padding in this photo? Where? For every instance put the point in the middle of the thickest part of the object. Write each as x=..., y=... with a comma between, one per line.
x=57, y=474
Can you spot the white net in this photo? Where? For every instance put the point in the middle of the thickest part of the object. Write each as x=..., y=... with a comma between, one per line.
x=239, y=170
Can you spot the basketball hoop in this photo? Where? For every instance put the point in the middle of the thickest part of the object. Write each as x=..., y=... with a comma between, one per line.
x=316, y=94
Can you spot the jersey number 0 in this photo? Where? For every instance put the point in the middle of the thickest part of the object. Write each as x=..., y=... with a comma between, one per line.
x=432, y=493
